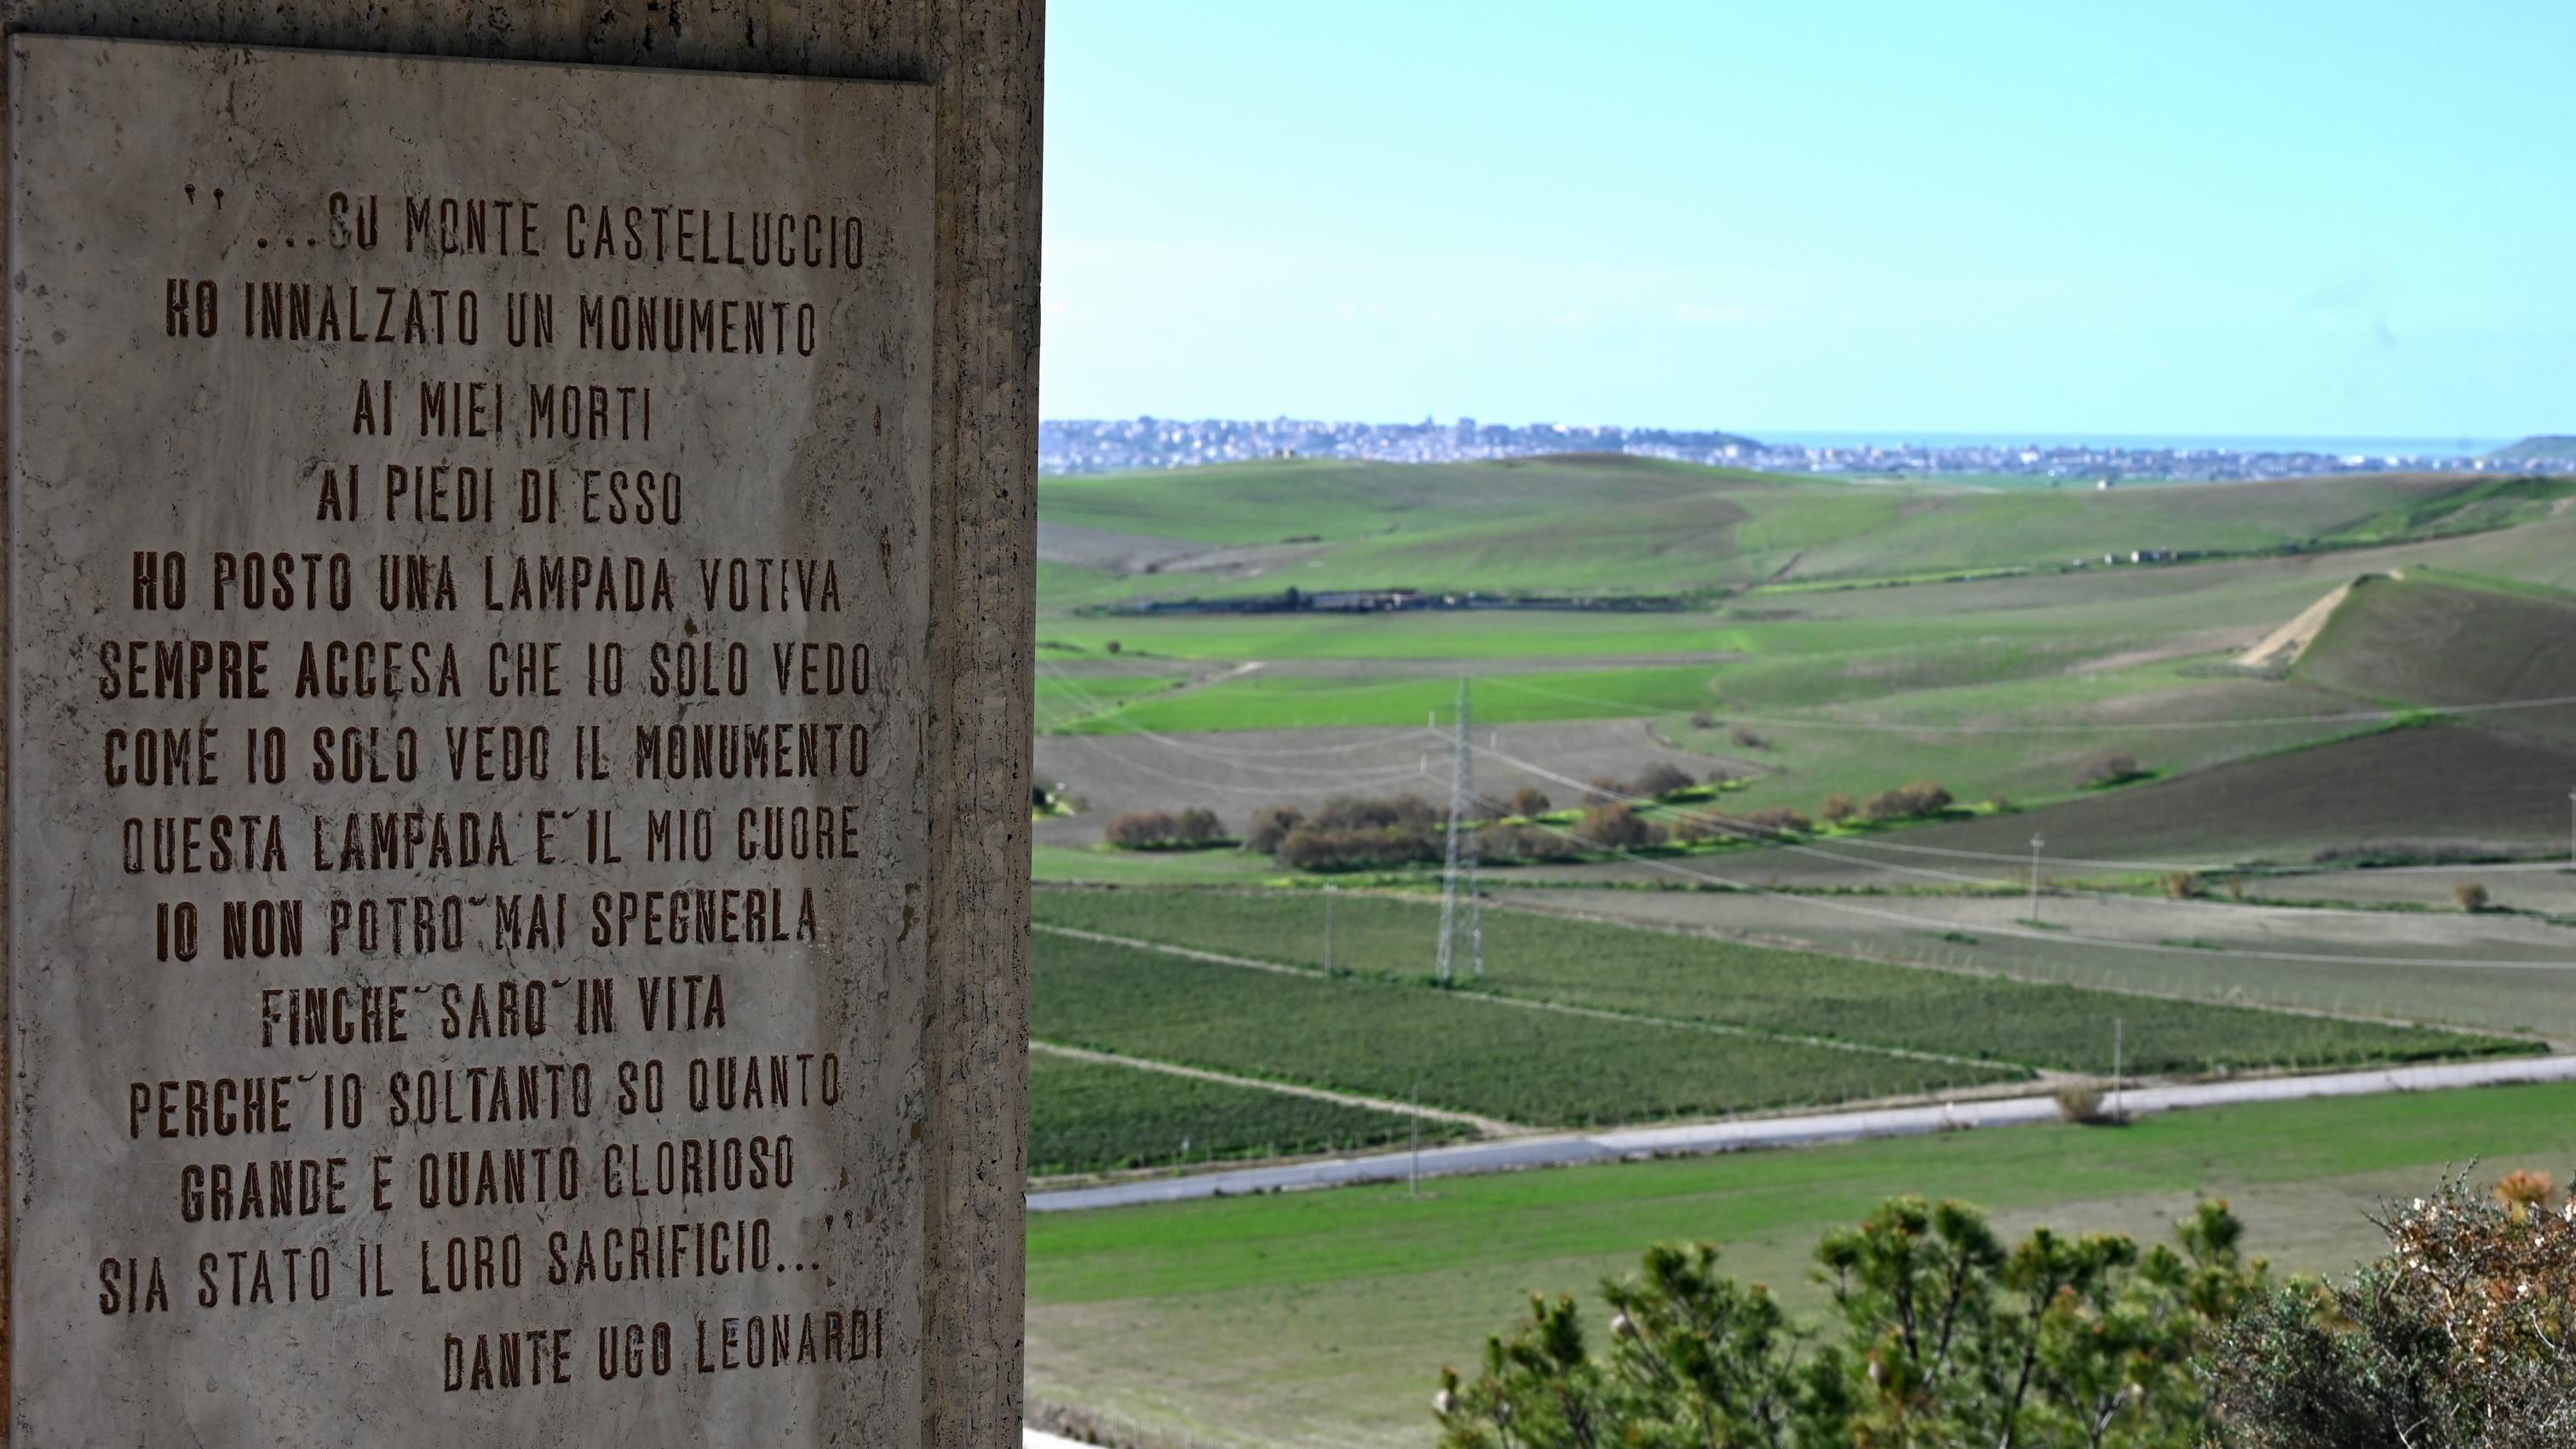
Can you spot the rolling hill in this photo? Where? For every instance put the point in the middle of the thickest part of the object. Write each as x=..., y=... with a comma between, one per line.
x=2438, y=786
x=2424, y=641
x=2538, y=446
x=1613, y=524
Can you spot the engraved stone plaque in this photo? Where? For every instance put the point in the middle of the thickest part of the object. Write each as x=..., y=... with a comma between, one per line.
x=467, y=603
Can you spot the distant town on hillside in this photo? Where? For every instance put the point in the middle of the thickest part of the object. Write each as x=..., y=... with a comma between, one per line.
x=1109, y=445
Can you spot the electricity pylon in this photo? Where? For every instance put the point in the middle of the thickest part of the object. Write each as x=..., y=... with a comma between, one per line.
x=1461, y=868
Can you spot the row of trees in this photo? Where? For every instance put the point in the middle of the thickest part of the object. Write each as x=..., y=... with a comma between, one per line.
x=1918, y=801
x=1190, y=829
x=1350, y=832
x=1938, y=1334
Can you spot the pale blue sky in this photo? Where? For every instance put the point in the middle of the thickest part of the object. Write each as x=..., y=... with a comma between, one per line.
x=2284, y=218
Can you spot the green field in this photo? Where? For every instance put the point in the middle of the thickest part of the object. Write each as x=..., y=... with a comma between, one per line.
x=1063, y=702
x=1654, y=973
x=1412, y=635
x=1849, y=681
x=1457, y=1050
x=1148, y=867
x=1641, y=526
x=1274, y=702
x=1321, y=1319
x=1823, y=636
x=1089, y=1116
x=1965, y=737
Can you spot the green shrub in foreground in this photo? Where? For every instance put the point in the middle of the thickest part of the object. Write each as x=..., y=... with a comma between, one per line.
x=2457, y=1338
x=1938, y=1335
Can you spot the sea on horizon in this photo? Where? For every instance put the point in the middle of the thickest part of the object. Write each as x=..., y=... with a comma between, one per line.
x=2324, y=445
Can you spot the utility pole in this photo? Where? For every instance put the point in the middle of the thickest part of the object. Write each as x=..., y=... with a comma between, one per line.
x=2116, y=1044
x=1461, y=857
x=2035, y=843
x=1413, y=1184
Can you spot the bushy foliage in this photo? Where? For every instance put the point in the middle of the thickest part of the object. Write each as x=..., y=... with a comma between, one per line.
x=1659, y=780
x=1197, y=826
x=1838, y=808
x=1270, y=825
x=1695, y=826
x=1162, y=829
x=1938, y=1334
x=2080, y=1102
x=1351, y=832
x=1141, y=829
x=2111, y=769
x=1503, y=841
x=2472, y=896
x=2457, y=1338
x=1310, y=847
x=1779, y=819
x=1530, y=800
x=1906, y=802
x=1618, y=827
x=1395, y=812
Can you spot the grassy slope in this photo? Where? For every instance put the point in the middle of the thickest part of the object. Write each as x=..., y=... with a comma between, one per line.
x=1062, y=702
x=1645, y=526
x=1321, y=1318
x=1969, y=737
x=1147, y=867
x=2428, y=641
x=1653, y=973
x=2439, y=783
x=1387, y=636
x=1270, y=701
x=2542, y=445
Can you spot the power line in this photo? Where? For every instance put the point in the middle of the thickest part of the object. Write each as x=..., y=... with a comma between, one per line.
x=1462, y=846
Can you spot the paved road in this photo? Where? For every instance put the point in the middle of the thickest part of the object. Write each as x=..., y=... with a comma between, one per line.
x=1566, y=1149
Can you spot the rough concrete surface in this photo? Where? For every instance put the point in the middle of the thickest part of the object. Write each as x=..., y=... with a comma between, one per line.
x=901, y=447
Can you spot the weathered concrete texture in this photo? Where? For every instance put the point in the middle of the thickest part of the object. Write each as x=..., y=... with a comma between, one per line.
x=984, y=58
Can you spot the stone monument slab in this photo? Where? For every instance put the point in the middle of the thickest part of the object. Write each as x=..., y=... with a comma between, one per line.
x=469, y=597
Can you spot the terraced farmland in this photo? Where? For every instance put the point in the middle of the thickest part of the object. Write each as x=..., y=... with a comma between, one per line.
x=1618, y=968
x=1093, y=1116
x=1459, y=1050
